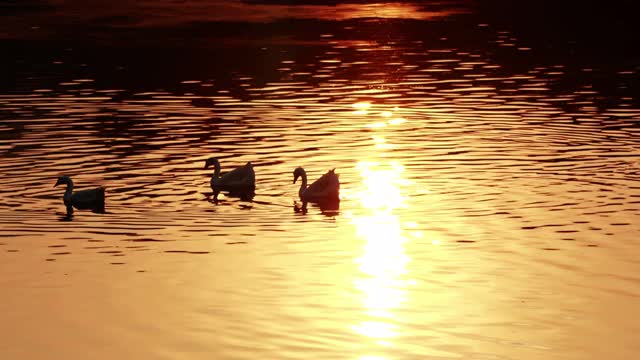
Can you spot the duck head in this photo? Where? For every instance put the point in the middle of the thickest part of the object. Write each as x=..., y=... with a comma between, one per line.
x=212, y=162
x=63, y=180
x=298, y=172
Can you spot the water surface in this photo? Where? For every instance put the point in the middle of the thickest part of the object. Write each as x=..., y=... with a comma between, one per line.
x=489, y=201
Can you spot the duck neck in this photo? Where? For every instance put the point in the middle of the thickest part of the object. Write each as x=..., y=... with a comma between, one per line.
x=216, y=171
x=69, y=191
x=69, y=187
x=303, y=181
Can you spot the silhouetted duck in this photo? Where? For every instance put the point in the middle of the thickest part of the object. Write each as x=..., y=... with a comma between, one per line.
x=240, y=181
x=90, y=199
x=325, y=190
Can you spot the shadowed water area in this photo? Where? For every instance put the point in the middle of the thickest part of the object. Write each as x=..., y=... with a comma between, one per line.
x=489, y=190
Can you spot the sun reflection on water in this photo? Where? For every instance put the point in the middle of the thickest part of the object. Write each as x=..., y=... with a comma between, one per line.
x=383, y=264
x=381, y=186
x=361, y=108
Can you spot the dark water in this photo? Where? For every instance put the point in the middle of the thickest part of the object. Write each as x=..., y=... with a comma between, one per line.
x=490, y=195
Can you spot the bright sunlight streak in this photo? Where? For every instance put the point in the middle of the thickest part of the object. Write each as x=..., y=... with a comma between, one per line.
x=381, y=185
x=384, y=261
x=386, y=116
x=361, y=108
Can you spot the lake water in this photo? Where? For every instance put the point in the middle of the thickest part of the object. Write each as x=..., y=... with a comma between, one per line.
x=489, y=198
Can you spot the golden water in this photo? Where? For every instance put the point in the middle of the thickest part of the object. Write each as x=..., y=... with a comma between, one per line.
x=483, y=215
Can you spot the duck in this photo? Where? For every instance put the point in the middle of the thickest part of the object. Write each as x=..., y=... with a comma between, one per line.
x=325, y=190
x=89, y=199
x=240, y=181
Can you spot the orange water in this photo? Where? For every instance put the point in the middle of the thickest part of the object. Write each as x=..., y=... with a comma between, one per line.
x=484, y=215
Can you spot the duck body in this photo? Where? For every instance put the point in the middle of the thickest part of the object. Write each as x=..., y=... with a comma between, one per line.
x=240, y=181
x=325, y=190
x=89, y=199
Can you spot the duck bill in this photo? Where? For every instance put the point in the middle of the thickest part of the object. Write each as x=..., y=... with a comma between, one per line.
x=57, y=183
x=295, y=178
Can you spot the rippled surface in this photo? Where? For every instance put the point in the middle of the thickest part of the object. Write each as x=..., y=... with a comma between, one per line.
x=488, y=211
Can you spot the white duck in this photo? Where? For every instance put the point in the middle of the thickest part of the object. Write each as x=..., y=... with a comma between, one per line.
x=92, y=199
x=324, y=190
x=239, y=181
